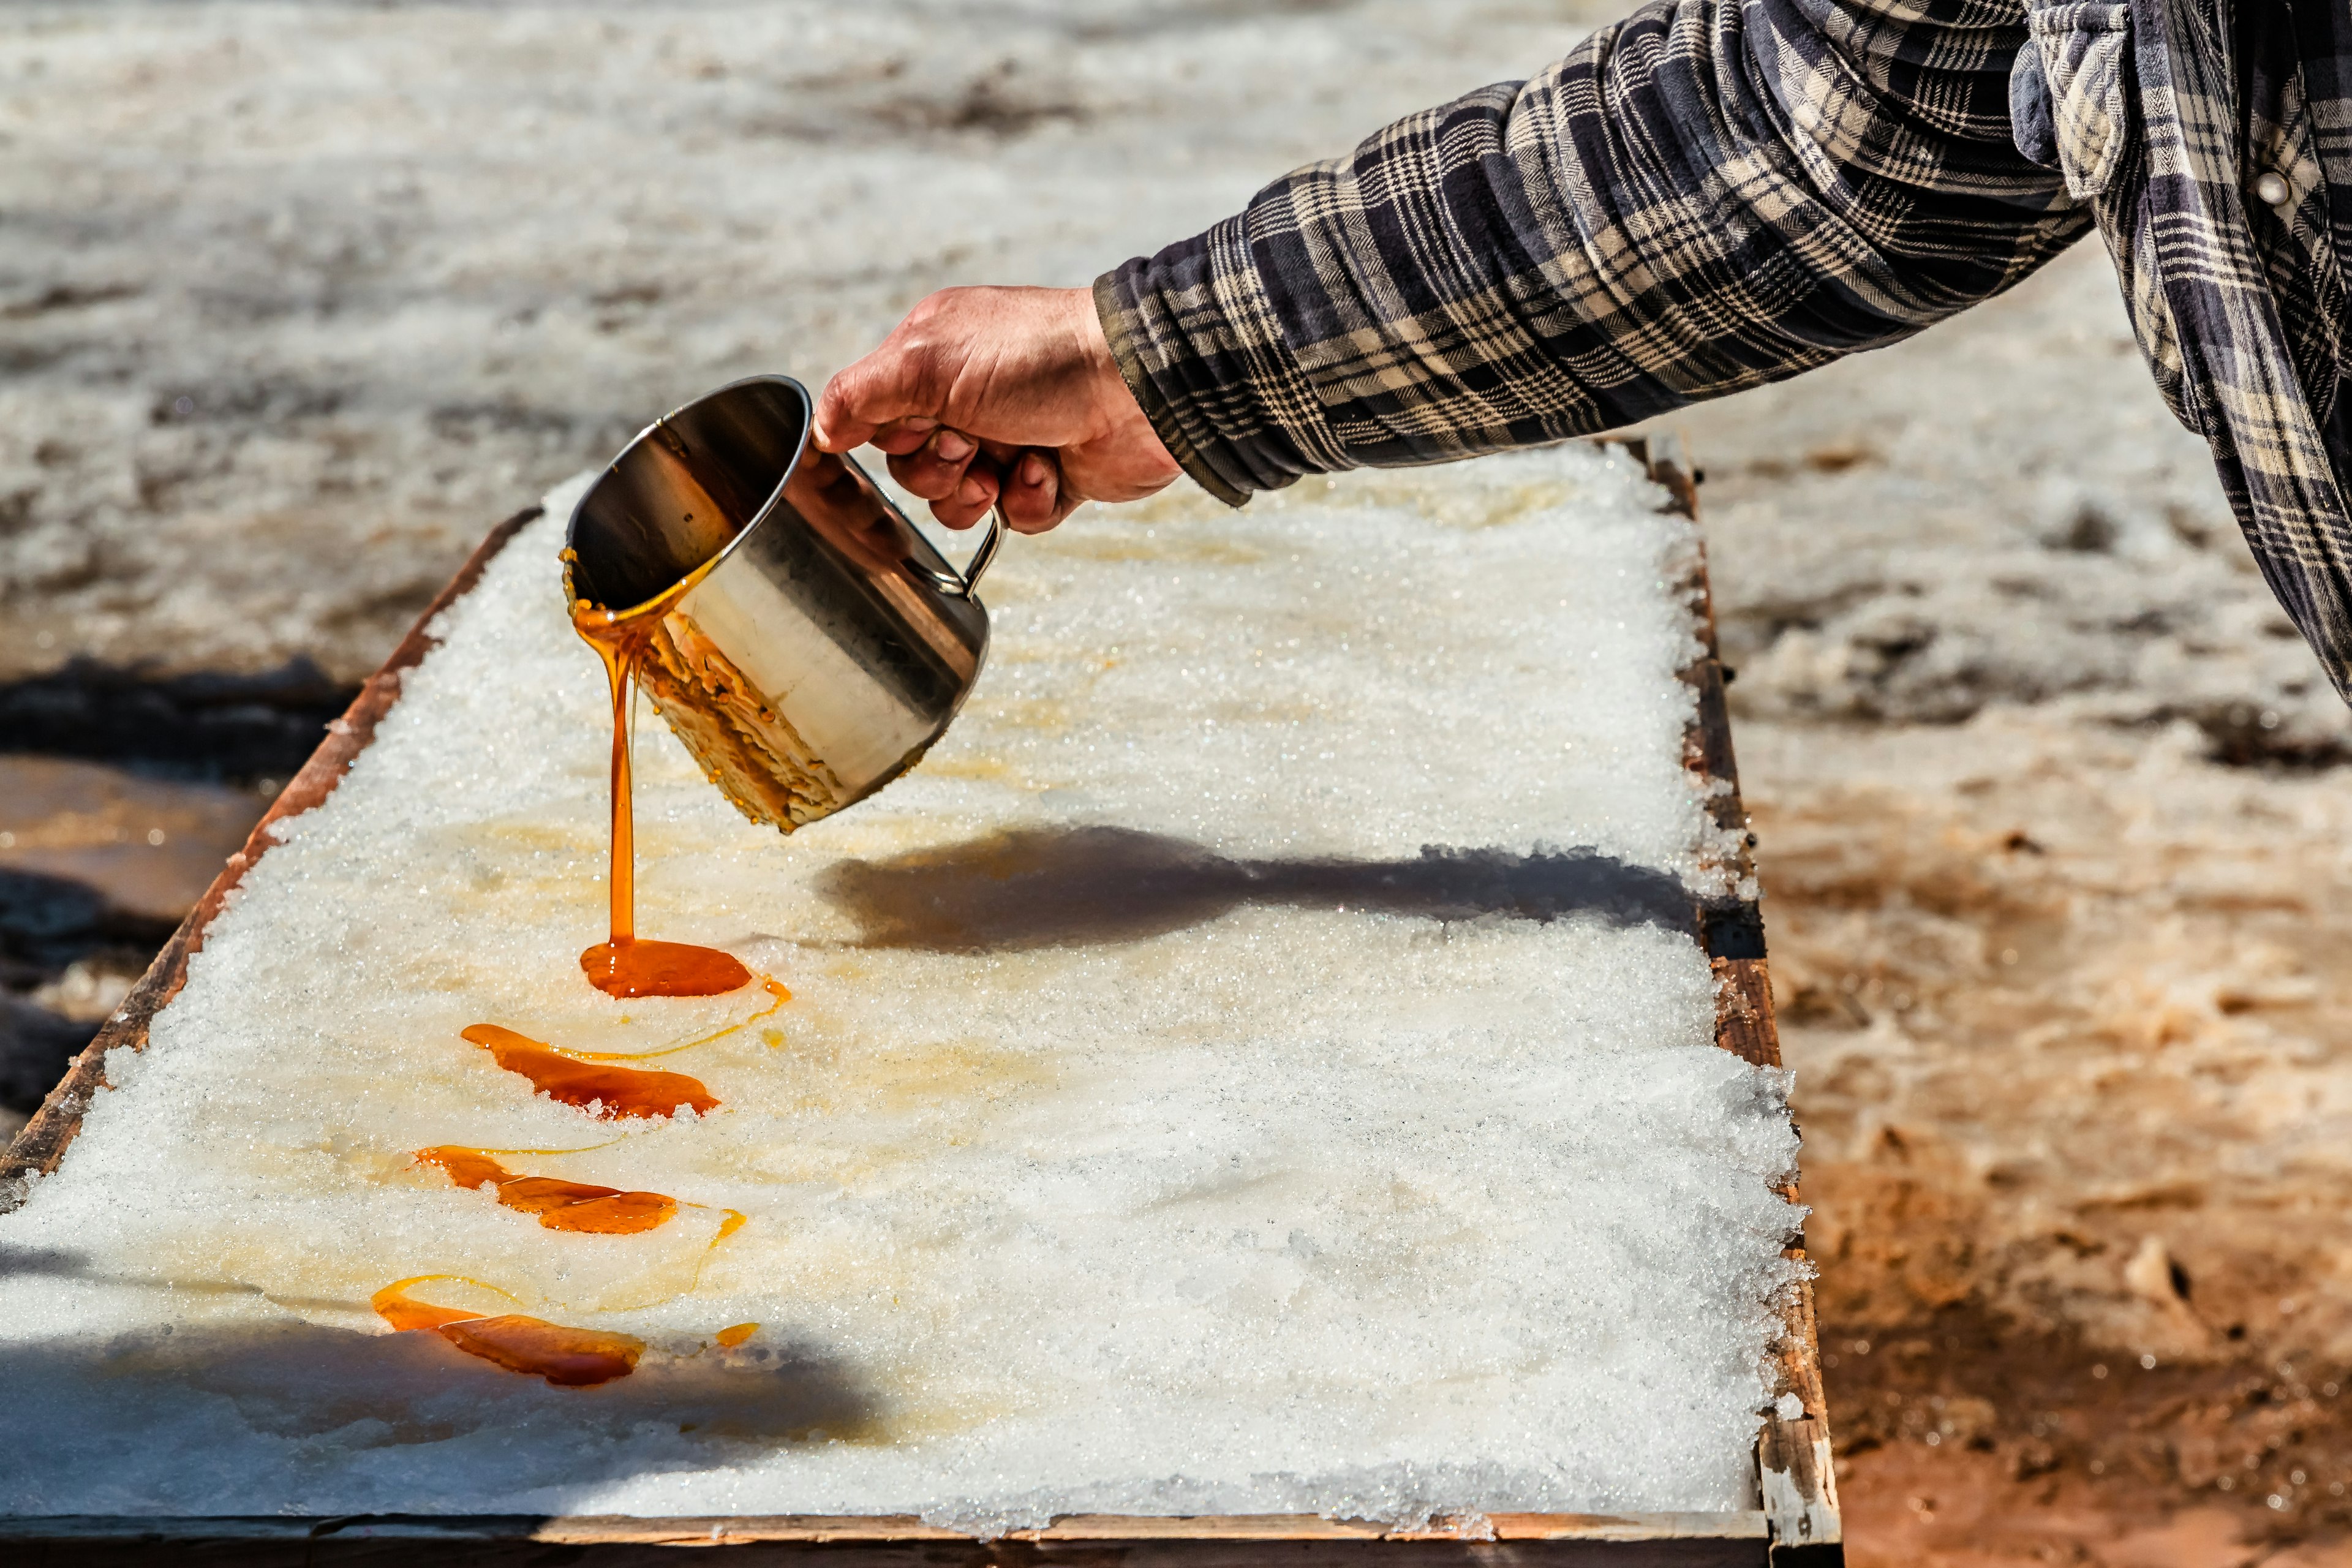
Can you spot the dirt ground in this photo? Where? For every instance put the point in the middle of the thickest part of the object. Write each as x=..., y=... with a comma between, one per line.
x=2067, y=1021
x=2057, y=941
x=2051, y=805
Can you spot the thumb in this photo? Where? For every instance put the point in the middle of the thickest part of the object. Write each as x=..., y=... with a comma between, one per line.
x=860, y=400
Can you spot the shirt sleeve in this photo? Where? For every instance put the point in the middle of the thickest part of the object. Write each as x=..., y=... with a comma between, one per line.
x=1705, y=196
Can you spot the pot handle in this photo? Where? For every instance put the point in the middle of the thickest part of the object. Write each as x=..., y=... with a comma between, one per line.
x=962, y=587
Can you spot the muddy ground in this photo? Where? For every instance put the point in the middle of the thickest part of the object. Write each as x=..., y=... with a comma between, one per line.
x=2053, y=806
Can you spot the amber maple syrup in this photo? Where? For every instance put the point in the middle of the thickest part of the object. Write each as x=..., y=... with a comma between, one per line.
x=560, y=1205
x=609, y=1090
x=566, y=1357
x=626, y=965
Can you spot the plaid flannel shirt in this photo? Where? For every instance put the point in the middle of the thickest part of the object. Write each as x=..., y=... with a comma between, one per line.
x=1716, y=194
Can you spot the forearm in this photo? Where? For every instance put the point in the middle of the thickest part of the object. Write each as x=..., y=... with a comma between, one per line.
x=1700, y=199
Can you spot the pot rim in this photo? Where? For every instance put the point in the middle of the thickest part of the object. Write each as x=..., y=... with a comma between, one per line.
x=767, y=508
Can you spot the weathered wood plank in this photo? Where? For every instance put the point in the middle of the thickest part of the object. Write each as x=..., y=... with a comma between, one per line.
x=1505, y=1541
x=1796, y=1479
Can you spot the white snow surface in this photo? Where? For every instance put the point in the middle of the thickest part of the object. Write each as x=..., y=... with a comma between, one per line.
x=1180, y=1109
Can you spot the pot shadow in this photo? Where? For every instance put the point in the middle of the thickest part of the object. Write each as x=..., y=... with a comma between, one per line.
x=1035, y=888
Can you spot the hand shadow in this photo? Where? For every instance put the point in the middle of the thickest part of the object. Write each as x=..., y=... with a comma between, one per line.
x=1034, y=888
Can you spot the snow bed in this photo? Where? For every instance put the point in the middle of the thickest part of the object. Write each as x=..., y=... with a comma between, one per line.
x=1258, y=1063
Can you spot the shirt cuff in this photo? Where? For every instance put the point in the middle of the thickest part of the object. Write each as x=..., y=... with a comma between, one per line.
x=1198, y=344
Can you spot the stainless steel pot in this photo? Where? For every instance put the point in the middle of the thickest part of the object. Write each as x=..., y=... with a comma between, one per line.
x=822, y=644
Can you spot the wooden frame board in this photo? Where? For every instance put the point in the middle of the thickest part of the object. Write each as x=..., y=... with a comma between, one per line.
x=1792, y=1522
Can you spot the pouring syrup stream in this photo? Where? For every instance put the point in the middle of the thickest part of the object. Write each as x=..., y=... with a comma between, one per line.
x=624, y=965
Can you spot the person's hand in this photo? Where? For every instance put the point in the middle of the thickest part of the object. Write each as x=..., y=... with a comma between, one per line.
x=987, y=393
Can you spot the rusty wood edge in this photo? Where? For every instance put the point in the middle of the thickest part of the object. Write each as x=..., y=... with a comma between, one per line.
x=1796, y=1476
x=744, y=1529
x=41, y=1144
x=1796, y=1482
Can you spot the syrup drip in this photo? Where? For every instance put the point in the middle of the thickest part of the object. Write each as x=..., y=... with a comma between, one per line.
x=610, y=1091
x=566, y=1357
x=560, y=1205
x=621, y=966
x=624, y=966
x=773, y=989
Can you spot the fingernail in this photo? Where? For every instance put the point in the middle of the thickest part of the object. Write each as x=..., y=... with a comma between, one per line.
x=952, y=446
x=1032, y=469
x=971, y=490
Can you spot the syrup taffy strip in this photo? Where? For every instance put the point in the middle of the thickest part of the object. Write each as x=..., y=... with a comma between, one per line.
x=566, y=1357
x=609, y=1090
x=560, y=1205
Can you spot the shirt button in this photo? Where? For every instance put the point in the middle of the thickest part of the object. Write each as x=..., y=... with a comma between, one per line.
x=2271, y=190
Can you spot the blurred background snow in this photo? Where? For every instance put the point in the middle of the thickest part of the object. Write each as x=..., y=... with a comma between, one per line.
x=297, y=300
